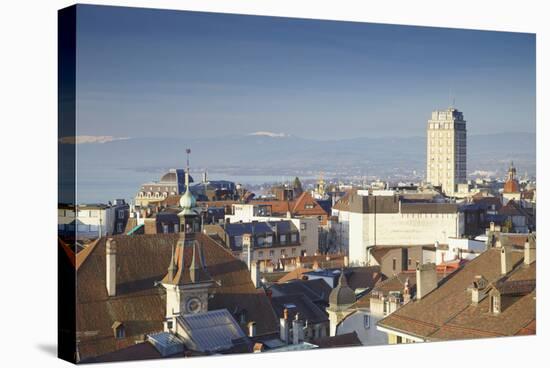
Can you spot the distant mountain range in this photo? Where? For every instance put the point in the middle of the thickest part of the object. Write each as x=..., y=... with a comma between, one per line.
x=279, y=154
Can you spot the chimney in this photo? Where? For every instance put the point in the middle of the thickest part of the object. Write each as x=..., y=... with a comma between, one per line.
x=406, y=292
x=505, y=260
x=255, y=274
x=479, y=289
x=297, y=331
x=111, y=267
x=258, y=347
x=247, y=244
x=530, y=252
x=346, y=261
x=426, y=279
x=251, y=329
x=284, y=327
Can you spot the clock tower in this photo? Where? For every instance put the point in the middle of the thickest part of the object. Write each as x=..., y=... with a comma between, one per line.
x=187, y=281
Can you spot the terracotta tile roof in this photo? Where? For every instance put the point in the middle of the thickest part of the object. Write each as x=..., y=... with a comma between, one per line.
x=143, y=260
x=487, y=202
x=364, y=277
x=379, y=251
x=394, y=283
x=140, y=351
x=343, y=203
x=298, y=303
x=296, y=207
x=295, y=274
x=529, y=329
x=338, y=341
x=448, y=312
x=511, y=186
x=83, y=254
x=322, y=261
x=67, y=250
x=316, y=290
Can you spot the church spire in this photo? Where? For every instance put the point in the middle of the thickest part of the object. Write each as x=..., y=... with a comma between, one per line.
x=172, y=268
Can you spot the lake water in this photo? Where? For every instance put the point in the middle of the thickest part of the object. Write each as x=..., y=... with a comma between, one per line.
x=101, y=184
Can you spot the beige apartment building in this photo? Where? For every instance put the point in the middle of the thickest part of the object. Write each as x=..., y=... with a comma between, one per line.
x=446, y=149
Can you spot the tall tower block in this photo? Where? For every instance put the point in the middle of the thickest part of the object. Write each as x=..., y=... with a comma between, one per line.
x=446, y=149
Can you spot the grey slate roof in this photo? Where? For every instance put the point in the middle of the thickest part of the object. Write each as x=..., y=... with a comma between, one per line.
x=211, y=331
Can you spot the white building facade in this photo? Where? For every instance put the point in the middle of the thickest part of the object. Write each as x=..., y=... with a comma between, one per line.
x=387, y=220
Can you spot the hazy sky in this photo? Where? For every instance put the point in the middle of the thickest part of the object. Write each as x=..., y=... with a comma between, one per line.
x=153, y=73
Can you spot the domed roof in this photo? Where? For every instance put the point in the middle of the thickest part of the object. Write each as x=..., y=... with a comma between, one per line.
x=171, y=177
x=342, y=294
x=187, y=200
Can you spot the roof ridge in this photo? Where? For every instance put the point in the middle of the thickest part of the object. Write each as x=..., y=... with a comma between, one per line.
x=85, y=253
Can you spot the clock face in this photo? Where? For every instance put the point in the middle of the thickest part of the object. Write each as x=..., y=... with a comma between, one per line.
x=193, y=305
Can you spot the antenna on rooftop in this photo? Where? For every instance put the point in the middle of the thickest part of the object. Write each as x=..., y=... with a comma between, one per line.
x=188, y=151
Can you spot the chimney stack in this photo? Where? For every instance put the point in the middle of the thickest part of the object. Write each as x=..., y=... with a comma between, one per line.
x=255, y=274
x=346, y=261
x=251, y=329
x=111, y=267
x=247, y=244
x=284, y=327
x=426, y=279
x=505, y=260
x=530, y=252
x=479, y=289
x=297, y=330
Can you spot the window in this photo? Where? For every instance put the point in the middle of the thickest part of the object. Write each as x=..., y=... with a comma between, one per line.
x=399, y=340
x=309, y=206
x=283, y=239
x=119, y=228
x=394, y=264
x=283, y=252
x=303, y=226
x=120, y=214
x=293, y=238
x=119, y=331
x=495, y=304
x=271, y=253
x=261, y=254
x=366, y=321
x=410, y=262
x=293, y=251
x=170, y=324
x=165, y=228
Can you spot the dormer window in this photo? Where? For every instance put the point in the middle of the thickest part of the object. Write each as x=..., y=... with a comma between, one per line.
x=119, y=330
x=495, y=304
x=366, y=321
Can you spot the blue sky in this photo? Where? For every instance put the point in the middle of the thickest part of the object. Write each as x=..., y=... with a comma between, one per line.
x=158, y=73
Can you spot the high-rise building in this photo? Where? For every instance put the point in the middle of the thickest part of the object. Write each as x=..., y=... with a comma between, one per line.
x=446, y=149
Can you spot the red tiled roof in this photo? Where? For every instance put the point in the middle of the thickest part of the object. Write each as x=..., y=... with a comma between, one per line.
x=511, y=186
x=448, y=312
x=140, y=305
